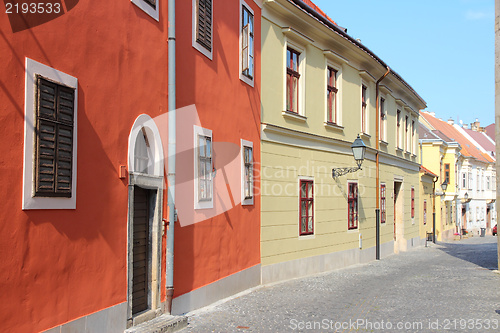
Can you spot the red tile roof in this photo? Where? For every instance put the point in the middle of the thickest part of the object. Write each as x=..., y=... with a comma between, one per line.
x=318, y=10
x=490, y=131
x=481, y=138
x=427, y=171
x=468, y=148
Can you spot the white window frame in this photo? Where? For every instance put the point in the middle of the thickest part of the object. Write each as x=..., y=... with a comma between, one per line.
x=313, y=235
x=154, y=13
x=338, y=97
x=244, y=200
x=196, y=45
x=383, y=136
x=243, y=77
x=29, y=200
x=357, y=229
x=367, y=113
x=204, y=204
x=302, y=72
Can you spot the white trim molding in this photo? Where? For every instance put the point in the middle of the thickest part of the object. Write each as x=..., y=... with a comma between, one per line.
x=195, y=44
x=29, y=200
x=148, y=9
x=197, y=203
x=244, y=78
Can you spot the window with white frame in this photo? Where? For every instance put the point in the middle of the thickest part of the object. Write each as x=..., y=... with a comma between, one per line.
x=398, y=129
x=331, y=95
x=50, y=139
x=413, y=141
x=352, y=205
x=306, y=207
x=247, y=193
x=247, y=43
x=471, y=180
x=383, y=118
x=150, y=7
x=203, y=169
x=202, y=26
x=364, y=109
x=488, y=184
x=293, y=87
x=464, y=180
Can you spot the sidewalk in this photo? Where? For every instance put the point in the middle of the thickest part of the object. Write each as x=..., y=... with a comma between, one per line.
x=439, y=288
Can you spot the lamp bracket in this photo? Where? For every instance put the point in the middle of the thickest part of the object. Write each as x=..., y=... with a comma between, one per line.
x=337, y=172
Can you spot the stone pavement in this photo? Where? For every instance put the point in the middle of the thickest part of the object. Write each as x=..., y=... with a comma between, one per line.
x=446, y=287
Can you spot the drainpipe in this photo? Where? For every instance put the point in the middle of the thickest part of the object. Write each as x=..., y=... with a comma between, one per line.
x=171, y=156
x=377, y=147
x=434, y=210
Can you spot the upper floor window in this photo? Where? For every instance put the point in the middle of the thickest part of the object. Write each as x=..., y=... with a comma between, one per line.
x=382, y=118
x=202, y=26
x=247, y=44
x=447, y=172
x=203, y=168
x=306, y=207
x=292, y=80
x=464, y=180
x=382, y=204
x=471, y=180
x=364, y=99
x=352, y=206
x=488, y=185
x=331, y=94
x=150, y=7
x=407, y=136
x=412, y=148
x=398, y=129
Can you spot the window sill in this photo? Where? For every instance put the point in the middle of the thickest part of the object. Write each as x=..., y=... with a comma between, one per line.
x=307, y=236
x=366, y=135
x=399, y=150
x=384, y=143
x=333, y=126
x=294, y=116
x=353, y=230
x=407, y=153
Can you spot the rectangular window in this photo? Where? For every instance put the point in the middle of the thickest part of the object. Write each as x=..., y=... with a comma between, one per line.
x=364, y=128
x=488, y=185
x=471, y=180
x=412, y=202
x=447, y=172
x=203, y=168
x=247, y=172
x=464, y=180
x=247, y=47
x=407, y=137
x=382, y=204
x=382, y=119
x=425, y=212
x=352, y=203
x=203, y=17
x=306, y=207
x=54, y=139
x=398, y=129
x=412, y=148
x=292, y=80
x=331, y=95
x=150, y=7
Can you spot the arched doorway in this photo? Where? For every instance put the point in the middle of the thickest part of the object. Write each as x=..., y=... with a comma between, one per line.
x=145, y=202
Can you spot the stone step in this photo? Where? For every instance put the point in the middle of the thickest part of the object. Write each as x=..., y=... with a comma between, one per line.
x=161, y=324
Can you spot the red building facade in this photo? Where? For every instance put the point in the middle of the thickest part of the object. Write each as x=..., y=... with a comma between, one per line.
x=84, y=104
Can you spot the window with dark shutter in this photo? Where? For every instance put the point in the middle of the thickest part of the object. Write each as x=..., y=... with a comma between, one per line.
x=204, y=24
x=54, y=139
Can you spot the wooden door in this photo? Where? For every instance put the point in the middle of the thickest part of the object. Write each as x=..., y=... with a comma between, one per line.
x=141, y=251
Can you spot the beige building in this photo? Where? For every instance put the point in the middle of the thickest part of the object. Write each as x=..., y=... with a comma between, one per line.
x=320, y=89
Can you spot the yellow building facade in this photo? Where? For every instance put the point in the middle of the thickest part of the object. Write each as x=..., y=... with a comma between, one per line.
x=319, y=91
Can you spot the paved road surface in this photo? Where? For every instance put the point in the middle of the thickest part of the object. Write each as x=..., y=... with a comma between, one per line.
x=448, y=287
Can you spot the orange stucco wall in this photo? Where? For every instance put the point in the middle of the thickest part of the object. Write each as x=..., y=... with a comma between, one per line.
x=229, y=242
x=58, y=265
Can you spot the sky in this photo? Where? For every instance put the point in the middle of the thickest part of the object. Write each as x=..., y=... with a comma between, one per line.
x=443, y=48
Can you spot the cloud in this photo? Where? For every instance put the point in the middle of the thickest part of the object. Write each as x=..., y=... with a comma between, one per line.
x=474, y=15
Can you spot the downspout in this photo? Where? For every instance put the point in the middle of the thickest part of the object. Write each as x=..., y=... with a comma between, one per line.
x=377, y=147
x=171, y=157
x=434, y=210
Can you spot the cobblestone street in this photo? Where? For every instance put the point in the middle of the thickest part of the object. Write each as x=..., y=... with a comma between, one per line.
x=446, y=287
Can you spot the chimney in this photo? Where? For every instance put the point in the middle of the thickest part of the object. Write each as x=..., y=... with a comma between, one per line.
x=450, y=121
x=465, y=126
x=475, y=126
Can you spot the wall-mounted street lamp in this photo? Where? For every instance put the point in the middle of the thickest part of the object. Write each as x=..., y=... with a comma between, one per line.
x=444, y=185
x=358, y=151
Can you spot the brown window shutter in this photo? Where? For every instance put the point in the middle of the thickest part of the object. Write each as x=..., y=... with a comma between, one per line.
x=54, y=139
x=204, y=29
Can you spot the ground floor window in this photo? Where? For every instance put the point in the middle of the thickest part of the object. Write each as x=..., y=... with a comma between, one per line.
x=382, y=204
x=353, y=206
x=306, y=207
